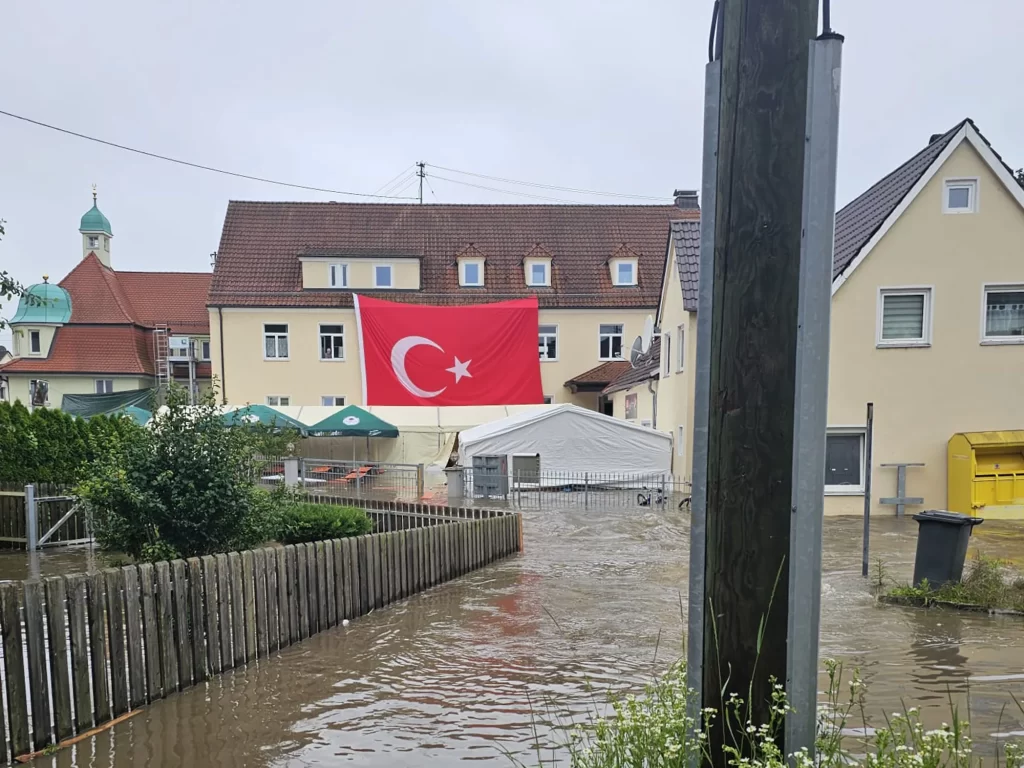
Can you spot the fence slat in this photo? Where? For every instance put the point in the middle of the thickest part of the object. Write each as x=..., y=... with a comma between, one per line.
x=39, y=688
x=332, y=586
x=237, y=608
x=79, y=653
x=249, y=596
x=114, y=579
x=373, y=565
x=350, y=557
x=150, y=634
x=273, y=601
x=182, y=636
x=285, y=587
x=404, y=555
x=212, y=622
x=133, y=624
x=302, y=593
x=311, y=586
x=385, y=567
x=259, y=564
x=60, y=670
x=14, y=668
x=341, y=578
x=224, y=609
x=96, y=594
x=321, y=586
x=363, y=569
x=197, y=623
x=165, y=628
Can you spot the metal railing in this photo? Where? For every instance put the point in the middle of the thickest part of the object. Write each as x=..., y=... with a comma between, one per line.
x=359, y=479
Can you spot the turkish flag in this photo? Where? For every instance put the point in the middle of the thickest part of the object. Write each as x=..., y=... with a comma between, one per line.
x=479, y=354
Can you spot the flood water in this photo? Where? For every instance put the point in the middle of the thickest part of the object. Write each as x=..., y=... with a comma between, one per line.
x=594, y=605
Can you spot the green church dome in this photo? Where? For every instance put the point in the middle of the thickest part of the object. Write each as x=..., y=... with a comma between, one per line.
x=43, y=303
x=95, y=221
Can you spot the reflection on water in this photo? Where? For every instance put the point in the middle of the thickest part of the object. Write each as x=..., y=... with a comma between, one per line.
x=593, y=606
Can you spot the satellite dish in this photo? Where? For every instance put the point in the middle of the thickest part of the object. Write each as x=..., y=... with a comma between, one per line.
x=648, y=335
x=636, y=352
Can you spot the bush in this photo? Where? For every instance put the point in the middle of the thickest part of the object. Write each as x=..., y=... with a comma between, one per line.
x=183, y=487
x=318, y=522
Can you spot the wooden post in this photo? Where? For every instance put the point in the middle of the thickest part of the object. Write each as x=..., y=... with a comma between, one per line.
x=179, y=570
x=14, y=669
x=39, y=689
x=165, y=625
x=150, y=634
x=118, y=649
x=756, y=283
x=60, y=671
x=259, y=557
x=79, y=653
x=249, y=596
x=133, y=625
x=212, y=619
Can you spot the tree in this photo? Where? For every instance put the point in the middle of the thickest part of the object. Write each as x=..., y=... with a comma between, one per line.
x=9, y=288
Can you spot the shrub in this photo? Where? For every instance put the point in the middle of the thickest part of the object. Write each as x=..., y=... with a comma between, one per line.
x=318, y=522
x=183, y=487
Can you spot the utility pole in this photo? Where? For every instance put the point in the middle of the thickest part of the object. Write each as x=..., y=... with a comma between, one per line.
x=421, y=172
x=772, y=92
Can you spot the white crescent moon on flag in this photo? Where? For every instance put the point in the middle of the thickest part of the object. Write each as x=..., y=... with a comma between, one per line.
x=398, y=353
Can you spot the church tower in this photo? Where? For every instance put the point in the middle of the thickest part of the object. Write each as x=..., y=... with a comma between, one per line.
x=96, y=234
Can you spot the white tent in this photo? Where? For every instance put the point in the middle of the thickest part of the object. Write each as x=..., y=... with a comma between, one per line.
x=567, y=440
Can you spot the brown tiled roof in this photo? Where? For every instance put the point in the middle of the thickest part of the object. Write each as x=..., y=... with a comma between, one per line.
x=648, y=368
x=603, y=374
x=258, y=258
x=107, y=349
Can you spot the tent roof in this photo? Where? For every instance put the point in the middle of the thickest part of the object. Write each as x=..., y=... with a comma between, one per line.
x=264, y=414
x=533, y=415
x=353, y=421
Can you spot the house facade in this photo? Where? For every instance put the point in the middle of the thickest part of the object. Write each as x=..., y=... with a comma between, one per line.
x=281, y=311
x=927, y=325
x=101, y=331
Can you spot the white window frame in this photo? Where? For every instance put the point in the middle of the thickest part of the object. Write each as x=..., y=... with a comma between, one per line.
x=276, y=335
x=463, y=281
x=103, y=391
x=204, y=350
x=972, y=198
x=319, y=341
x=926, y=325
x=549, y=399
x=335, y=270
x=986, y=289
x=529, y=273
x=277, y=400
x=681, y=349
x=616, y=263
x=622, y=342
x=849, y=490
x=558, y=346
x=93, y=241
x=334, y=401
x=391, y=276
x=666, y=353
x=39, y=337
x=680, y=442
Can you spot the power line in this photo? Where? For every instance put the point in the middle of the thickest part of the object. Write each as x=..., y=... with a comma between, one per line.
x=387, y=184
x=548, y=186
x=190, y=164
x=393, y=187
x=504, y=191
x=430, y=186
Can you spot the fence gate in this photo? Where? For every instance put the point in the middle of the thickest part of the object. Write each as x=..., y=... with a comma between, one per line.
x=44, y=515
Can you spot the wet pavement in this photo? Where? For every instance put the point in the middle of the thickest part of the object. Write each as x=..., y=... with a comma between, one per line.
x=473, y=667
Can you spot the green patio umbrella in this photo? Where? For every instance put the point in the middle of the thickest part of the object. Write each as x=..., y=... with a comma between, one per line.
x=262, y=414
x=353, y=421
x=141, y=415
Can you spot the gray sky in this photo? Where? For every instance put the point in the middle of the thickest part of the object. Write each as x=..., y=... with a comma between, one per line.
x=345, y=95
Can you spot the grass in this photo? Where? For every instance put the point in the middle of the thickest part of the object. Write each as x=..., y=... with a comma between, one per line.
x=989, y=584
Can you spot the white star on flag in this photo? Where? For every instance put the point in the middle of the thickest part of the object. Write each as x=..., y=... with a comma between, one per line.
x=460, y=369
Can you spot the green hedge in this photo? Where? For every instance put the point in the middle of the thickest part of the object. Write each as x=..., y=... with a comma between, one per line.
x=318, y=522
x=48, y=445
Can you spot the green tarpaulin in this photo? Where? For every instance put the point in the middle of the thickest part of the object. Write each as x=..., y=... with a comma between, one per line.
x=353, y=421
x=262, y=414
x=86, y=406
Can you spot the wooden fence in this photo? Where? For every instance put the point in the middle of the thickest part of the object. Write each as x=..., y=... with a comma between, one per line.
x=53, y=502
x=81, y=650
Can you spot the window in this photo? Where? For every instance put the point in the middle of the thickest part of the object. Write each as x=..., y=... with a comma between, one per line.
x=339, y=275
x=332, y=342
x=625, y=272
x=630, y=406
x=547, y=341
x=610, y=342
x=549, y=399
x=680, y=441
x=34, y=342
x=104, y=386
x=537, y=273
x=680, y=348
x=382, y=276
x=94, y=241
x=1004, y=314
x=332, y=400
x=904, y=317
x=666, y=351
x=960, y=196
x=844, y=462
x=472, y=272
x=275, y=342
x=204, y=349
x=39, y=391
x=278, y=400
x=106, y=243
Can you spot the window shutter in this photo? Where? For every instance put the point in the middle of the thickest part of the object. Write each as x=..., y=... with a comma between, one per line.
x=903, y=316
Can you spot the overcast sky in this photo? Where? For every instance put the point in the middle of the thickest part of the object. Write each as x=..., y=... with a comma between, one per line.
x=347, y=95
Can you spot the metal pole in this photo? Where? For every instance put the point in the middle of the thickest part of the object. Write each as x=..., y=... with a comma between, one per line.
x=702, y=389
x=31, y=519
x=586, y=489
x=870, y=423
x=811, y=401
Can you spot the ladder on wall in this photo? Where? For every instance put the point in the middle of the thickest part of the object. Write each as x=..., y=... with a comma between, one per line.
x=161, y=354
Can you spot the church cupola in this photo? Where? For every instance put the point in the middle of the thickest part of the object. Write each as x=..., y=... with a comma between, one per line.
x=96, y=234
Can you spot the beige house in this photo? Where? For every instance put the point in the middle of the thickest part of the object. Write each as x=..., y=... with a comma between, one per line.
x=927, y=324
x=281, y=311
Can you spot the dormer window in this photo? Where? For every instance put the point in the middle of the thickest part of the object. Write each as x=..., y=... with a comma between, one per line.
x=382, y=276
x=960, y=196
x=538, y=273
x=34, y=343
x=339, y=275
x=471, y=273
x=624, y=272
x=94, y=241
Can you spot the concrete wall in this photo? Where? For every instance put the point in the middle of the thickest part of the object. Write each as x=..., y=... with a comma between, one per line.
x=71, y=385
x=644, y=404
x=924, y=395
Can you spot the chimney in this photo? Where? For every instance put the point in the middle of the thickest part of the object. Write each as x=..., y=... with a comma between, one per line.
x=686, y=199
x=935, y=137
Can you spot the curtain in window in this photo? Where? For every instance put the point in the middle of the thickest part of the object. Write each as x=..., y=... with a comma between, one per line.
x=903, y=316
x=1004, y=313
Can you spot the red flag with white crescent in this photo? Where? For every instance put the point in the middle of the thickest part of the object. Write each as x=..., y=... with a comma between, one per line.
x=477, y=354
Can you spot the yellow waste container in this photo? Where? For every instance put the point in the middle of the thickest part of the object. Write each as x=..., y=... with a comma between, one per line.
x=985, y=474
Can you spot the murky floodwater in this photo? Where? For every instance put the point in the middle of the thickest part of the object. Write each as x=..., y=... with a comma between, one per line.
x=454, y=674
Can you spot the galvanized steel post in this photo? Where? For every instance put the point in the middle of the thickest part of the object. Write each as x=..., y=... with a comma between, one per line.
x=31, y=519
